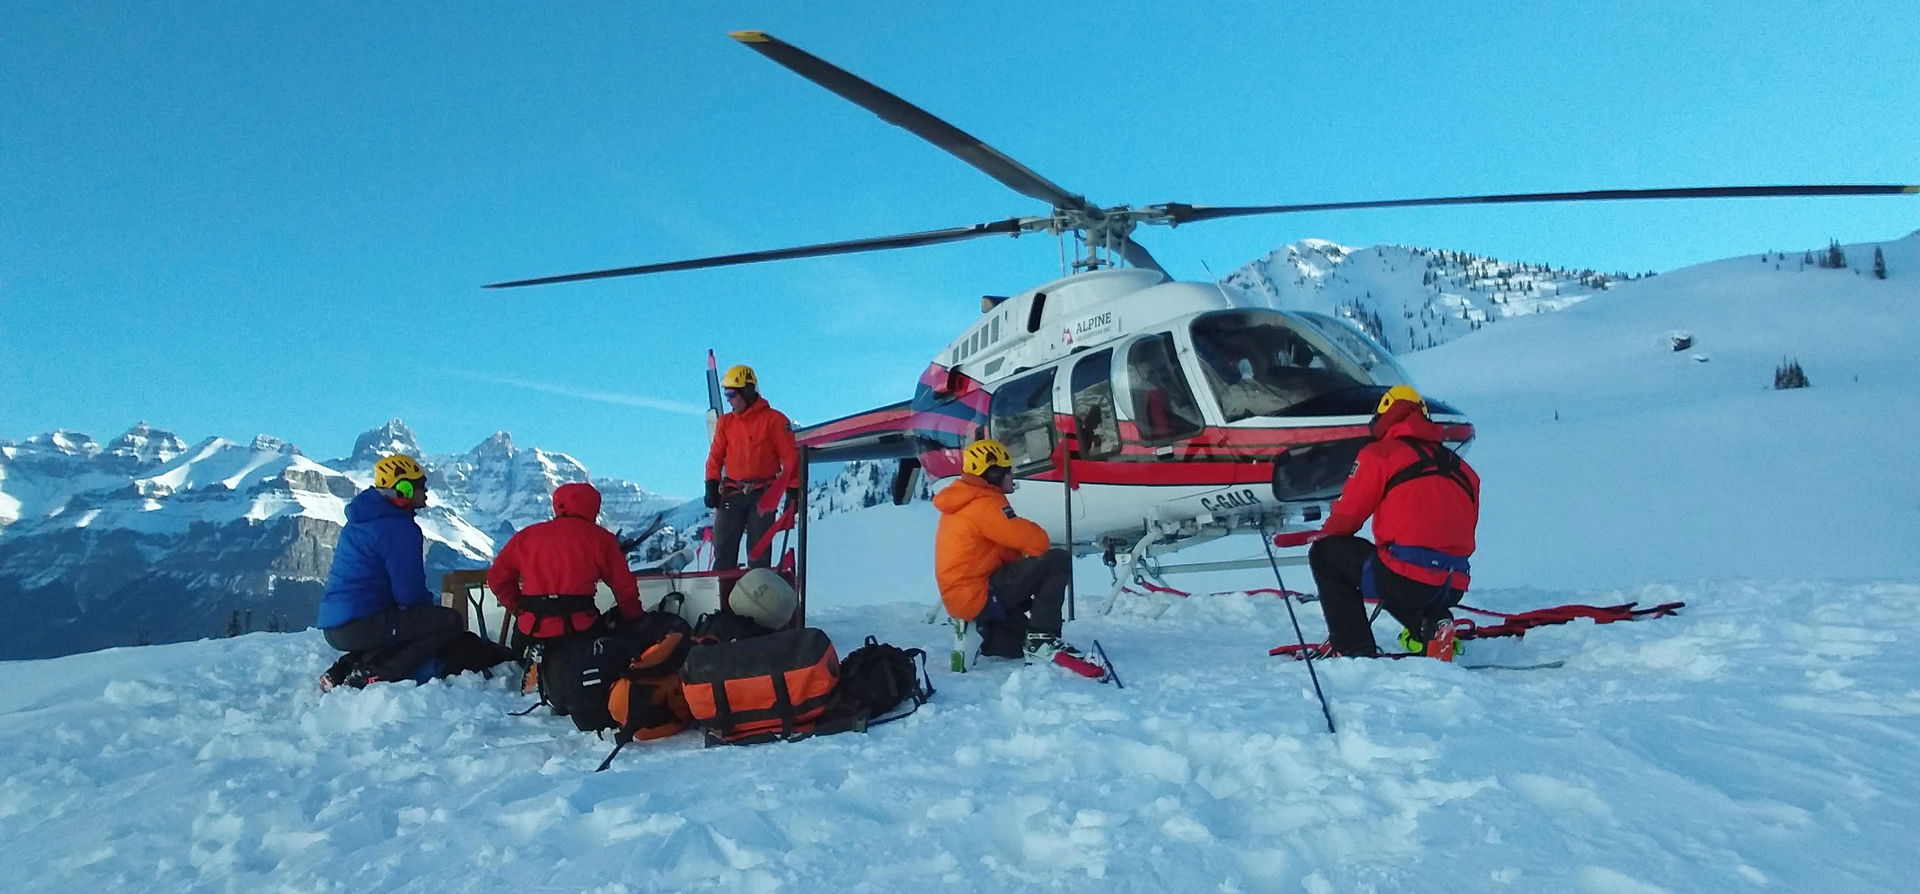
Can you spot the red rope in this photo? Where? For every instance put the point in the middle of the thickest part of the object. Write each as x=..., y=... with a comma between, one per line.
x=1518, y=624
x=1283, y=594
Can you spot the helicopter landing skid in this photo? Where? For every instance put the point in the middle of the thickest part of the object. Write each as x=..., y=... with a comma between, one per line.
x=1139, y=578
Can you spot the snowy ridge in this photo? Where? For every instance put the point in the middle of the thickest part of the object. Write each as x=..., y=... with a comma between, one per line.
x=1410, y=298
x=861, y=484
x=151, y=540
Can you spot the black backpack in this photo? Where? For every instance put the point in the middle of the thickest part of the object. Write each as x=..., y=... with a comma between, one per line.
x=613, y=655
x=876, y=678
x=725, y=626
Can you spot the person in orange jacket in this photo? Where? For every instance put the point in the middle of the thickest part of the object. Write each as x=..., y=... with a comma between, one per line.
x=752, y=449
x=548, y=572
x=1425, y=504
x=997, y=570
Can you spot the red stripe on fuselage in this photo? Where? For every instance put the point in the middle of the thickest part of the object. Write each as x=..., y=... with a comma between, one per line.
x=891, y=418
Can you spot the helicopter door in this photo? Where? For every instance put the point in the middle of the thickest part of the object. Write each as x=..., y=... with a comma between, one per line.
x=1159, y=398
x=1093, y=418
x=1021, y=417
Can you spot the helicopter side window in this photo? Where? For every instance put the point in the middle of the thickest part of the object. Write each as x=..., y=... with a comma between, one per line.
x=1022, y=419
x=1093, y=415
x=1162, y=402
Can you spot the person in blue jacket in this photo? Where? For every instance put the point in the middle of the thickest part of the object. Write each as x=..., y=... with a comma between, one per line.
x=378, y=607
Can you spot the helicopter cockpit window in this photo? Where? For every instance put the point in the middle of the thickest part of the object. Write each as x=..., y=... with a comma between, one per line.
x=1259, y=364
x=1161, y=401
x=1022, y=419
x=1093, y=406
x=1371, y=354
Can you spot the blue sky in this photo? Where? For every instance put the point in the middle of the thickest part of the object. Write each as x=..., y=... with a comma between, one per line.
x=234, y=218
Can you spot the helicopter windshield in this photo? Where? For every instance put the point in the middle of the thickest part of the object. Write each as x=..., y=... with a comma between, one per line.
x=1372, y=355
x=1262, y=363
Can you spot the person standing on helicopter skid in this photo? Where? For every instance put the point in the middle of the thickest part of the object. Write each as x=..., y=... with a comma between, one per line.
x=1425, y=504
x=752, y=449
x=377, y=607
x=999, y=571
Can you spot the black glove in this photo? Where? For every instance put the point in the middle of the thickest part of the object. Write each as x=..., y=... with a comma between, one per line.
x=713, y=492
x=793, y=498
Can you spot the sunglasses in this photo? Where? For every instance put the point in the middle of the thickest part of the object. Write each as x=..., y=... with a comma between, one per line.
x=732, y=392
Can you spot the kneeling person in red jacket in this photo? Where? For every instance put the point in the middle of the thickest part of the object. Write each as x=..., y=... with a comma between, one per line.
x=1425, y=503
x=548, y=572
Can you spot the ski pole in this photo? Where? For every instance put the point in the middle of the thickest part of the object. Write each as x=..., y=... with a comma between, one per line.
x=1305, y=652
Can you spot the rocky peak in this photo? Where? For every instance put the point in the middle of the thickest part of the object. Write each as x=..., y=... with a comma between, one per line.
x=60, y=440
x=147, y=444
x=394, y=437
x=271, y=444
x=497, y=447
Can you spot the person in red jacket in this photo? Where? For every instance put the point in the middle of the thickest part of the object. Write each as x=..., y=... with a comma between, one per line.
x=999, y=571
x=1425, y=503
x=548, y=572
x=752, y=449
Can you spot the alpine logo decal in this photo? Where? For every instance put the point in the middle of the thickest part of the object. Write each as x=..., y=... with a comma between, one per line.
x=1090, y=328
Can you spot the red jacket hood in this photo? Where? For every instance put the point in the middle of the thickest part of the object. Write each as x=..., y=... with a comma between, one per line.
x=1405, y=421
x=579, y=500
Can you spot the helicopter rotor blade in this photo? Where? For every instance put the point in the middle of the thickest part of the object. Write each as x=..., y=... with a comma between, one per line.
x=1138, y=256
x=913, y=119
x=1013, y=226
x=1177, y=213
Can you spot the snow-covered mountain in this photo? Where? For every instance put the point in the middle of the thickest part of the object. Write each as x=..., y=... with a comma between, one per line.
x=1410, y=298
x=148, y=540
x=857, y=485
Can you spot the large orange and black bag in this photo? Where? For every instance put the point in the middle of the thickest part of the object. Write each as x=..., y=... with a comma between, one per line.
x=644, y=700
x=763, y=688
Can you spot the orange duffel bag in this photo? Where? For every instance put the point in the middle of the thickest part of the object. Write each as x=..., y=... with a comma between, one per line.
x=762, y=688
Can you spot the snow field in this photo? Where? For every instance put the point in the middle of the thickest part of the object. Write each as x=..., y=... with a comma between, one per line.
x=1761, y=739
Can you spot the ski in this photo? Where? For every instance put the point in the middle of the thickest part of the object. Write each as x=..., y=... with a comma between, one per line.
x=1081, y=666
x=1297, y=653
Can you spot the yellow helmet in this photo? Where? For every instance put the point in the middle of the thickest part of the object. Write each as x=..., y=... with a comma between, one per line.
x=390, y=471
x=1399, y=393
x=983, y=455
x=739, y=377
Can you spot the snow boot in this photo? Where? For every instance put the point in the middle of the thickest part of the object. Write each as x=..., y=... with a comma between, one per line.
x=1443, y=645
x=1413, y=645
x=342, y=672
x=1045, y=648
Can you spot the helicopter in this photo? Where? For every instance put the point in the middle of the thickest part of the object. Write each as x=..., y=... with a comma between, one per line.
x=1143, y=414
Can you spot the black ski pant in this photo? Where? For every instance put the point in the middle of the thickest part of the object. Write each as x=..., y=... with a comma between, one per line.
x=1336, y=564
x=407, y=635
x=1034, y=587
x=739, y=513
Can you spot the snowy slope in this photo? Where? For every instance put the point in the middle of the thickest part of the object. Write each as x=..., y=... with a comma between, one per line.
x=1762, y=740
x=1673, y=465
x=1685, y=754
